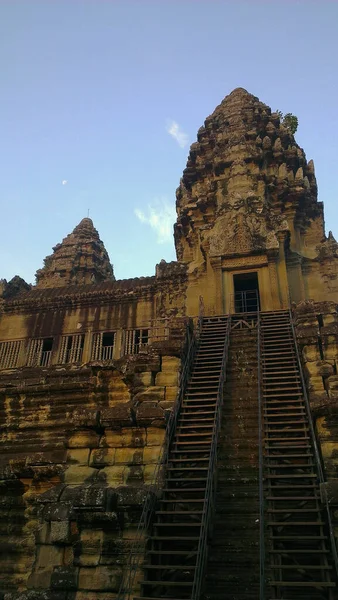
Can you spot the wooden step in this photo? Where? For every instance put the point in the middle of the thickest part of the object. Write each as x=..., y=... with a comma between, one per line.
x=186, y=406
x=170, y=567
x=287, y=456
x=166, y=583
x=177, y=524
x=172, y=552
x=298, y=537
x=293, y=510
x=194, y=426
x=182, y=501
x=289, y=466
x=308, y=584
x=198, y=434
x=188, y=469
x=300, y=551
x=286, y=430
x=174, y=538
x=281, y=415
x=185, y=490
x=156, y=598
x=294, y=523
x=179, y=512
x=297, y=498
x=292, y=476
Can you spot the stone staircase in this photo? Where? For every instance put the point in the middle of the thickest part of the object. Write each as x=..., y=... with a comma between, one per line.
x=233, y=566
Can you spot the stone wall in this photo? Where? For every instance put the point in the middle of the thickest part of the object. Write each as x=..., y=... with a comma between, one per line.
x=317, y=333
x=78, y=452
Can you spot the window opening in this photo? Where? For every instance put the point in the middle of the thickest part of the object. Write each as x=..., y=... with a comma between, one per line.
x=246, y=292
x=9, y=354
x=71, y=348
x=39, y=353
x=103, y=345
x=134, y=339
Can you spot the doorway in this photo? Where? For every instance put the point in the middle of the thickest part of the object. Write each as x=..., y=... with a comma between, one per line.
x=246, y=294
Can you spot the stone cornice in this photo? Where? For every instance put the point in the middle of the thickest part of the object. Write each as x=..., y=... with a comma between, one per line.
x=124, y=290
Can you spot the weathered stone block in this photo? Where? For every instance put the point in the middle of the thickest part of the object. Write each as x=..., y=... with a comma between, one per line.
x=152, y=455
x=113, y=476
x=330, y=347
x=127, y=456
x=145, y=378
x=48, y=557
x=329, y=449
x=79, y=456
x=171, y=363
x=326, y=368
x=85, y=496
x=84, y=439
x=41, y=578
x=102, y=457
x=130, y=496
x=333, y=382
x=46, y=458
x=155, y=436
x=117, y=416
x=167, y=378
x=52, y=494
x=85, y=417
x=147, y=412
x=94, y=596
x=151, y=394
x=78, y=474
x=330, y=489
x=311, y=353
x=171, y=393
x=42, y=534
x=60, y=532
x=149, y=473
x=102, y=578
x=64, y=578
x=133, y=475
x=322, y=428
x=316, y=384
x=132, y=437
x=56, y=511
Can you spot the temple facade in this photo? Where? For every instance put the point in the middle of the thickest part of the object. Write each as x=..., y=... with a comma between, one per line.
x=91, y=371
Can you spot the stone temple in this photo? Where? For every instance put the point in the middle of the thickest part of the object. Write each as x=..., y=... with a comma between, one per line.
x=176, y=436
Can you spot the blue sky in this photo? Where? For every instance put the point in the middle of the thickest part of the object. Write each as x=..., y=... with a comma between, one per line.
x=90, y=91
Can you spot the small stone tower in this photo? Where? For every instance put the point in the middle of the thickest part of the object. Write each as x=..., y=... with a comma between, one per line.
x=81, y=258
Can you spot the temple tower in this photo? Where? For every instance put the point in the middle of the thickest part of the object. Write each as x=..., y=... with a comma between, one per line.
x=248, y=216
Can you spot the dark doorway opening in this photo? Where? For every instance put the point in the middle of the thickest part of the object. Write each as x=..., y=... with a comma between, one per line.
x=246, y=292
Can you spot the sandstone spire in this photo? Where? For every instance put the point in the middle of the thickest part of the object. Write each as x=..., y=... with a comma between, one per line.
x=81, y=258
x=247, y=185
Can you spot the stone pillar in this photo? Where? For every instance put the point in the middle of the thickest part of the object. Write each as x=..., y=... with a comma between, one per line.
x=283, y=284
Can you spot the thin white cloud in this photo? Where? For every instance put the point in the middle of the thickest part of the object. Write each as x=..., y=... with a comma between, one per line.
x=160, y=215
x=176, y=132
x=64, y=181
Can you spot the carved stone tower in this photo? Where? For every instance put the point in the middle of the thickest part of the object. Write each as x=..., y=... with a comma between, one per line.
x=81, y=258
x=248, y=216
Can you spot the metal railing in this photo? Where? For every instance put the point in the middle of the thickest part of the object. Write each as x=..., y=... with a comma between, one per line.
x=209, y=498
x=138, y=548
x=244, y=302
x=260, y=467
x=316, y=450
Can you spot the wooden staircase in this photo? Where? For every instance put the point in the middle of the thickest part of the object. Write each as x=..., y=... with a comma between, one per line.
x=173, y=565
x=298, y=543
